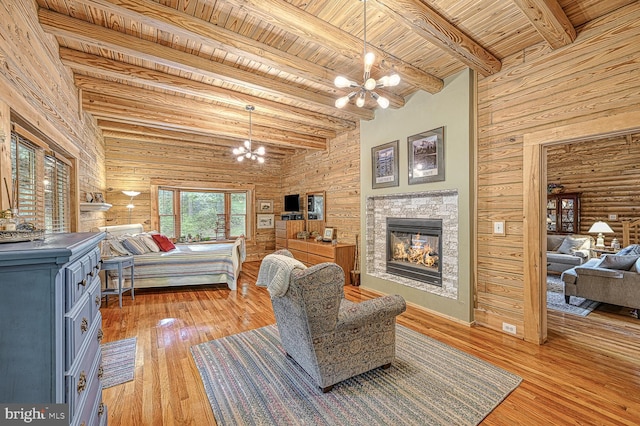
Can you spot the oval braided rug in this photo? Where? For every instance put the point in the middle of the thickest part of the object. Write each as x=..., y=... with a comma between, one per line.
x=249, y=381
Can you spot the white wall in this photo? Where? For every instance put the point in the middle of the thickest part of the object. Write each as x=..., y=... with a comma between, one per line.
x=451, y=108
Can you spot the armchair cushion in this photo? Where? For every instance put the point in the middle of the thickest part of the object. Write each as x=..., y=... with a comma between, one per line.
x=598, y=272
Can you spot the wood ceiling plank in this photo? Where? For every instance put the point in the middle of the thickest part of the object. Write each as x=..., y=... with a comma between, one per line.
x=64, y=26
x=549, y=20
x=296, y=21
x=187, y=106
x=124, y=110
x=432, y=27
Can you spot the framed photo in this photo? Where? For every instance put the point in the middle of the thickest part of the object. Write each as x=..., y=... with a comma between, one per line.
x=328, y=234
x=98, y=197
x=384, y=165
x=265, y=206
x=426, y=156
x=265, y=221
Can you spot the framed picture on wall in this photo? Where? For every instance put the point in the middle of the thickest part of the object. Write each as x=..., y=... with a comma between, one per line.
x=426, y=156
x=384, y=165
x=265, y=206
x=265, y=221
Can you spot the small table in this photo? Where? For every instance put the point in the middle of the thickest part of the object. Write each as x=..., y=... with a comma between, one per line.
x=117, y=263
x=597, y=252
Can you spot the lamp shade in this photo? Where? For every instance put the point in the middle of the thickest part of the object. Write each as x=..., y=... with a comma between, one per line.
x=600, y=227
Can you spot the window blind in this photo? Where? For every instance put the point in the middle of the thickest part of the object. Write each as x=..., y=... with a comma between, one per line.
x=56, y=194
x=24, y=163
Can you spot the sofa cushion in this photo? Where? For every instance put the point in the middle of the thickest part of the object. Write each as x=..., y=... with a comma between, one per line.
x=567, y=259
x=631, y=249
x=618, y=262
x=554, y=242
x=570, y=244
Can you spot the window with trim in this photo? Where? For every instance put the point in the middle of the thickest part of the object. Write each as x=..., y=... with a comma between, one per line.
x=41, y=182
x=210, y=214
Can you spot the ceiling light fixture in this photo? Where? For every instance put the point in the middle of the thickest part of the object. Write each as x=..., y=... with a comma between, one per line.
x=245, y=150
x=369, y=83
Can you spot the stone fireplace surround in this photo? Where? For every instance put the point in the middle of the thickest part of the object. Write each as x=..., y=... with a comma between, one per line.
x=441, y=204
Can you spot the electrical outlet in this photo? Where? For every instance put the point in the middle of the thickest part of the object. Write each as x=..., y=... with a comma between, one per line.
x=509, y=328
x=613, y=217
x=498, y=227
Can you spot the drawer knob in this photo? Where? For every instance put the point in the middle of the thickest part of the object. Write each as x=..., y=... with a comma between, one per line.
x=100, y=372
x=83, y=283
x=84, y=325
x=82, y=382
x=101, y=409
x=91, y=274
x=97, y=300
x=100, y=335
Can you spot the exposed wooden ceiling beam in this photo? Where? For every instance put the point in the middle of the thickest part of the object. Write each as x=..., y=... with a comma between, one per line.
x=199, y=31
x=80, y=31
x=135, y=112
x=428, y=24
x=187, y=106
x=188, y=140
x=549, y=20
x=303, y=24
x=104, y=67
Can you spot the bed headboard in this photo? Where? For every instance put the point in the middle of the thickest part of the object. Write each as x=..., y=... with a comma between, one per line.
x=134, y=228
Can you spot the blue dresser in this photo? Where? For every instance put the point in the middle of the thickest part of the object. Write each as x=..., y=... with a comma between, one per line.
x=50, y=324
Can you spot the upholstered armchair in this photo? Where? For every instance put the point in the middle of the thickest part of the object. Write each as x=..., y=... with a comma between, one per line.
x=330, y=337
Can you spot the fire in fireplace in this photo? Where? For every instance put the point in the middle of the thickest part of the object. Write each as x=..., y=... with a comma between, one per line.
x=414, y=249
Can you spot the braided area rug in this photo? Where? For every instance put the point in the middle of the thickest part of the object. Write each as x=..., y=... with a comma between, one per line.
x=118, y=362
x=249, y=381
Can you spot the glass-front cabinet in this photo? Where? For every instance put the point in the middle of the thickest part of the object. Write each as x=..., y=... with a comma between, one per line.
x=563, y=213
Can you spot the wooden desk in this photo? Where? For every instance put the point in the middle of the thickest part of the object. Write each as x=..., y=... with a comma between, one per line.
x=311, y=253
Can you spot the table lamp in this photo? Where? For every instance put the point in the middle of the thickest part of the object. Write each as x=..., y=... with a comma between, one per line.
x=601, y=228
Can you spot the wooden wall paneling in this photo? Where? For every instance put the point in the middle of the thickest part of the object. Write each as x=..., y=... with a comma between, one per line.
x=5, y=153
x=574, y=93
x=40, y=90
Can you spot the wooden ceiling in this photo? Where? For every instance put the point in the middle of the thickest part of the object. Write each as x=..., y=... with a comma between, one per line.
x=185, y=70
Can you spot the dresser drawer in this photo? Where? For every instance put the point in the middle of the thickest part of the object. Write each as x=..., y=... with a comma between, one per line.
x=78, y=322
x=300, y=245
x=314, y=259
x=94, y=296
x=324, y=250
x=88, y=401
x=83, y=375
x=299, y=255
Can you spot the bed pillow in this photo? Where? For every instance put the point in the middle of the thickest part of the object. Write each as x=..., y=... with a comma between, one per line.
x=135, y=245
x=149, y=242
x=112, y=247
x=618, y=262
x=163, y=242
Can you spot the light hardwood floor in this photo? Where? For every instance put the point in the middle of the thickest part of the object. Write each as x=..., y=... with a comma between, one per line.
x=587, y=373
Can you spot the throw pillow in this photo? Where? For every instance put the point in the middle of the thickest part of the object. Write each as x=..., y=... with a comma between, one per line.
x=149, y=242
x=570, y=244
x=618, y=262
x=115, y=248
x=631, y=249
x=163, y=242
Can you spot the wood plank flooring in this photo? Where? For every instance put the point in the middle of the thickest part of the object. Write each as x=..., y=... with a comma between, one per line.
x=587, y=373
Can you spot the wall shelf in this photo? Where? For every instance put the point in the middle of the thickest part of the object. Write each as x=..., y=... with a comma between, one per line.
x=94, y=207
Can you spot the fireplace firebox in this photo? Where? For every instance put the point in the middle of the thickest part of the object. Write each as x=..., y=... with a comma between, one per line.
x=414, y=249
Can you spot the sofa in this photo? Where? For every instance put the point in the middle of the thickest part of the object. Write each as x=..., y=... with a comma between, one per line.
x=567, y=251
x=613, y=278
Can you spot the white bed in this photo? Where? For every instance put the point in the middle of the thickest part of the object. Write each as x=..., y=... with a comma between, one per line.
x=188, y=264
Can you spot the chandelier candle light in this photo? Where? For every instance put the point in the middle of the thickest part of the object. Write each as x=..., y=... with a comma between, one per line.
x=246, y=151
x=369, y=83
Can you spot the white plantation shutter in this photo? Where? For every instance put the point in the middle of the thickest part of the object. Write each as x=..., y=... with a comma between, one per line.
x=56, y=194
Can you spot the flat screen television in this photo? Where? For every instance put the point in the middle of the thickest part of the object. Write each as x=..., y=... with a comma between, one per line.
x=292, y=203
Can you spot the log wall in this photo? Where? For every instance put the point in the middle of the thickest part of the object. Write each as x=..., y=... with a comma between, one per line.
x=606, y=173
x=37, y=87
x=578, y=87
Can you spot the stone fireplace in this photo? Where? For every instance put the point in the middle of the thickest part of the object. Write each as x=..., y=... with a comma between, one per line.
x=414, y=249
x=434, y=207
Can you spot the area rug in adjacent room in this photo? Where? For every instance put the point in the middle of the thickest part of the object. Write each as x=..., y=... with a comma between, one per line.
x=118, y=362
x=555, y=299
x=250, y=381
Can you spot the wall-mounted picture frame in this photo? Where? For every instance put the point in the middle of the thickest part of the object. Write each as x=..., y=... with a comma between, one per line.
x=384, y=165
x=329, y=234
x=265, y=221
x=265, y=206
x=426, y=156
